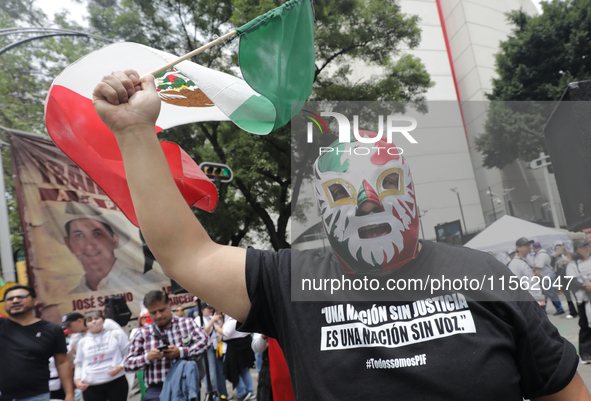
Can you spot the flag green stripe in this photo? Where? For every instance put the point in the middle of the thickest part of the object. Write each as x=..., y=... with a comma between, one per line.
x=256, y=115
x=276, y=55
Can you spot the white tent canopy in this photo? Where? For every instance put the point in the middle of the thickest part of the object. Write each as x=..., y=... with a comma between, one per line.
x=502, y=234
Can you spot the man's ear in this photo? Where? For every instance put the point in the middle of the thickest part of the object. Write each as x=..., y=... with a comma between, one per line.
x=115, y=240
x=67, y=242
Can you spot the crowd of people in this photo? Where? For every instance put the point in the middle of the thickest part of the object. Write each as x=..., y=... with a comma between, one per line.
x=446, y=344
x=101, y=351
x=570, y=272
x=95, y=353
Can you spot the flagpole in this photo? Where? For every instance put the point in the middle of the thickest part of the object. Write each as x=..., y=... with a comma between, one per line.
x=193, y=53
x=5, y=243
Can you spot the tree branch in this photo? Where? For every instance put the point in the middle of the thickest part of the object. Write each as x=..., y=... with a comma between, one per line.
x=339, y=53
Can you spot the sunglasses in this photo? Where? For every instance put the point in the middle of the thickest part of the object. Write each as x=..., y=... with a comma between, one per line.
x=10, y=299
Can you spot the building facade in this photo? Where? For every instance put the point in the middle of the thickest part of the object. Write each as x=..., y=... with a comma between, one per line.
x=458, y=45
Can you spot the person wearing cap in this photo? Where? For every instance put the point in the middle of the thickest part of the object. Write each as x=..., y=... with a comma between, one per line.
x=356, y=348
x=562, y=258
x=543, y=267
x=521, y=267
x=93, y=239
x=74, y=322
x=580, y=269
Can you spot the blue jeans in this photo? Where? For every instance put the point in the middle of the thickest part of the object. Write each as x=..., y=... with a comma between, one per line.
x=244, y=384
x=40, y=397
x=77, y=394
x=216, y=371
x=258, y=360
x=553, y=295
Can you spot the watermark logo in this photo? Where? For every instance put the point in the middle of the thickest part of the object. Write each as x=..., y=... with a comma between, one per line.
x=392, y=126
x=317, y=120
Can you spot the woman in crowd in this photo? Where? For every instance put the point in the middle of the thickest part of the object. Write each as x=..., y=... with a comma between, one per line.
x=580, y=268
x=211, y=319
x=179, y=311
x=99, y=361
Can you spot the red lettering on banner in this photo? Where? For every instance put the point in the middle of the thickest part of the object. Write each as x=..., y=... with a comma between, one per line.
x=58, y=172
x=76, y=179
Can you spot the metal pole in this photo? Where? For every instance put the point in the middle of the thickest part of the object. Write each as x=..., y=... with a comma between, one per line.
x=492, y=203
x=5, y=244
x=462, y=212
x=550, y=197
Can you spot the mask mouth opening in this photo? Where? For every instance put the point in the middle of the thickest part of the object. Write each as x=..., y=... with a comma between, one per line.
x=374, y=231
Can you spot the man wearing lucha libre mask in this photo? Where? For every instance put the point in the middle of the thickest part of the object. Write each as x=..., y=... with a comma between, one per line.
x=441, y=345
x=368, y=206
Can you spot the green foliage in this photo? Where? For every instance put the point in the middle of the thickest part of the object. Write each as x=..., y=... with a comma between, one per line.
x=25, y=77
x=514, y=130
x=257, y=203
x=542, y=56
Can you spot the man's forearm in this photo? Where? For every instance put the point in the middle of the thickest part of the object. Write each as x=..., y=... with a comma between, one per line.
x=64, y=370
x=173, y=233
x=159, y=206
x=135, y=363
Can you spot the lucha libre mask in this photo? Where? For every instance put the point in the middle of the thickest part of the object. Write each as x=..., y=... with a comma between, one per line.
x=366, y=199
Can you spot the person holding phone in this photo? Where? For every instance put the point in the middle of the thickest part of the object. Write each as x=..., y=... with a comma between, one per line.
x=99, y=361
x=157, y=346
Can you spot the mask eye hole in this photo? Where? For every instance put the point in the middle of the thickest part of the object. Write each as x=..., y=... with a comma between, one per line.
x=391, y=181
x=338, y=192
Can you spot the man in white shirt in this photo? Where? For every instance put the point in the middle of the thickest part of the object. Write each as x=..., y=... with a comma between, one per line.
x=521, y=267
x=543, y=267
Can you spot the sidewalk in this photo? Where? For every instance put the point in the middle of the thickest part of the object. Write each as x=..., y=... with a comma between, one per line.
x=569, y=329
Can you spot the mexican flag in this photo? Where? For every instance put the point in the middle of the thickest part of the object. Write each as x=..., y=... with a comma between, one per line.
x=276, y=56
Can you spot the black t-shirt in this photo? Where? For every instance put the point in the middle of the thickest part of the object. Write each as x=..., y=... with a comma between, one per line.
x=445, y=346
x=24, y=357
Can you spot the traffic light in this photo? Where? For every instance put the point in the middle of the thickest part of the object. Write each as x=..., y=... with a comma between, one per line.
x=216, y=171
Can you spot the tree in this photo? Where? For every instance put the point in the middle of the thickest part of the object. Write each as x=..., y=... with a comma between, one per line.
x=25, y=77
x=258, y=202
x=536, y=63
x=259, y=199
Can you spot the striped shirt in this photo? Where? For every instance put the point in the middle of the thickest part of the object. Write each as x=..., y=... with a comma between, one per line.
x=144, y=340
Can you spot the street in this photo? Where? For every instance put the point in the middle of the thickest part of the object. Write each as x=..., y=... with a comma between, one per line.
x=569, y=329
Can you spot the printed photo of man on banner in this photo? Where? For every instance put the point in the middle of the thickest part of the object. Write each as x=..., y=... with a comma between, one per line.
x=80, y=247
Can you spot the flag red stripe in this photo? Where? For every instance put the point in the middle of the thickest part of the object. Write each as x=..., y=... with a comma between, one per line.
x=77, y=130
